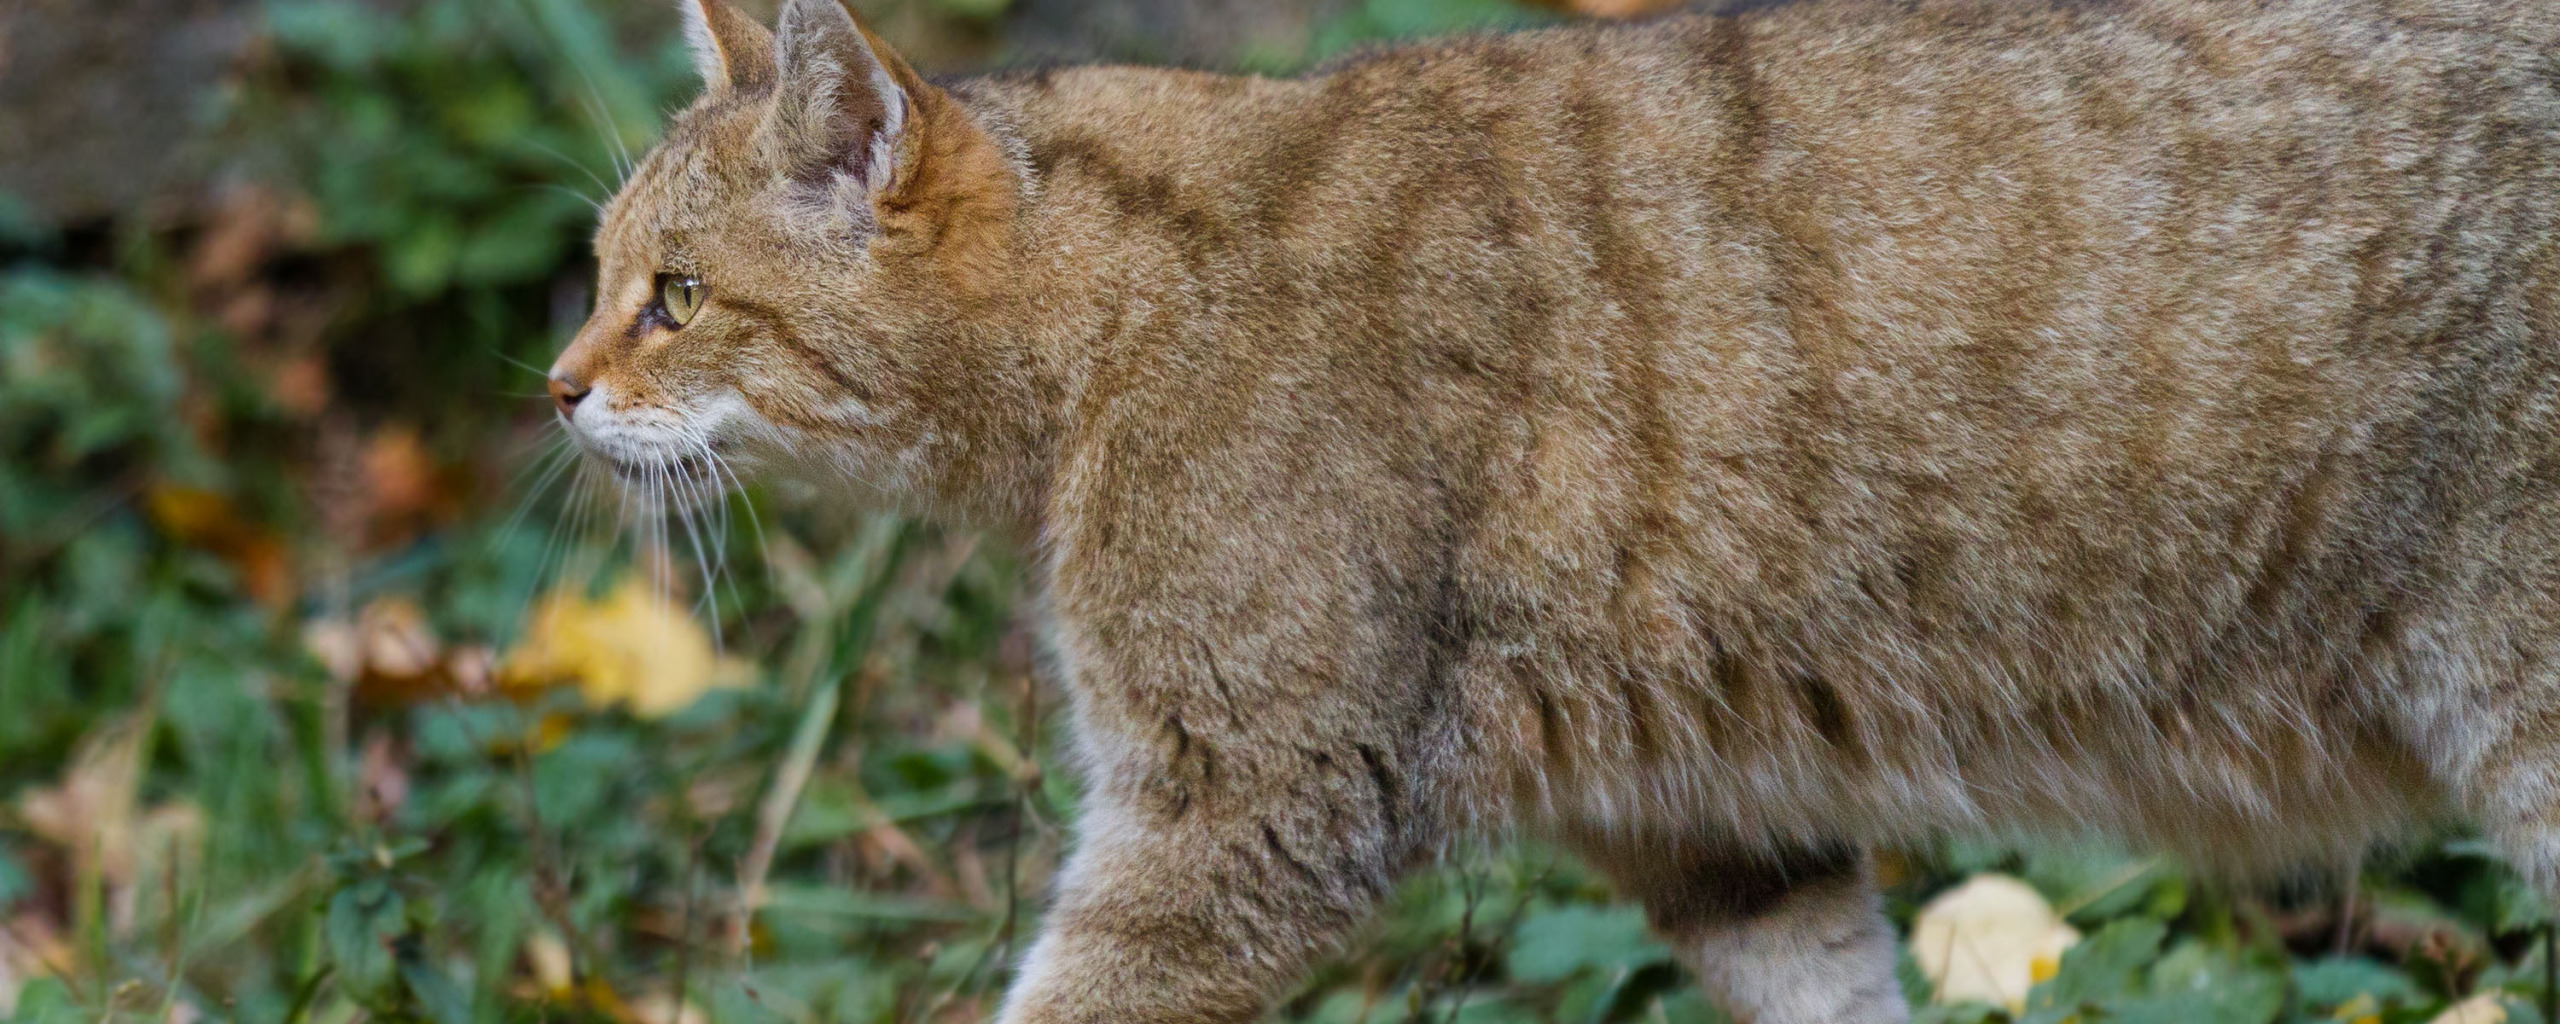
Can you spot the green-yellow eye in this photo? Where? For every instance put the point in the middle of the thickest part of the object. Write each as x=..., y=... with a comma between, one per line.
x=681, y=295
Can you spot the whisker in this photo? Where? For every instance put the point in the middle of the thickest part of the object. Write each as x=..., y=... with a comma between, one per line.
x=682, y=502
x=522, y=365
x=581, y=168
x=582, y=197
x=599, y=117
x=555, y=464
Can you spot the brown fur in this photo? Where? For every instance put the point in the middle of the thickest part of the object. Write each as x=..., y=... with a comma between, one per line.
x=1717, y=444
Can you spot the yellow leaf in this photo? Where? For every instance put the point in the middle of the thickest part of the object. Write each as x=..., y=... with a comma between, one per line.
x=549, y=958
x=632, y=647
x=206, y=519
x=190, y=515
x=1990, y=939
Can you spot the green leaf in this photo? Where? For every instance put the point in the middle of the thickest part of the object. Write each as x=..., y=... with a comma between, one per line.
x=1968, y=1012
x=364, y=919
x=48, y=1001
x=2332, y=981
x=2101, y=966
x=436, y=993
x=2516, y=906
x=2091, y=884
x=1553, y=944
x=2197, y=984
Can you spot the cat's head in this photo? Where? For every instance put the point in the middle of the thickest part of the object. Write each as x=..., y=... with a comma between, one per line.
x=782, y=273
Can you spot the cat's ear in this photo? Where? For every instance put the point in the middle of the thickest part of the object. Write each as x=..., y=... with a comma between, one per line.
x=732, y=51
x=842, y=105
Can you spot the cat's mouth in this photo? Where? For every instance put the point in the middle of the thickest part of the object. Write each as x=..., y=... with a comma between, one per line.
x=680, y=470
x=685, y=453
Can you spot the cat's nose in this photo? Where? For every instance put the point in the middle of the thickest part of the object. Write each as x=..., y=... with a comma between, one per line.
x=565, y=393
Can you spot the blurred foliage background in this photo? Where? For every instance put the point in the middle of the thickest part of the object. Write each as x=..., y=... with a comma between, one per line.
x=327, y=695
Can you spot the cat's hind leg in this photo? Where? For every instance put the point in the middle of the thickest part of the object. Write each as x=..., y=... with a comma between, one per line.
x=1791, y=937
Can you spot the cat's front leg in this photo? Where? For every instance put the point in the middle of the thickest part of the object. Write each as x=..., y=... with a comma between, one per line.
x=1187, y=924
x=1230, y=837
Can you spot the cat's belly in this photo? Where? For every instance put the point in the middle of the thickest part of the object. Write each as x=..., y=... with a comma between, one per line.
x=2255, y=781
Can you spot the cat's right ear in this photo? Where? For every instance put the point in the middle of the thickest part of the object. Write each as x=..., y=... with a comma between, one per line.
x=733, y=52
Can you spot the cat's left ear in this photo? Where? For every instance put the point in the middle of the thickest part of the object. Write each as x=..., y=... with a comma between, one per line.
x=844, y=104
x=733, y=52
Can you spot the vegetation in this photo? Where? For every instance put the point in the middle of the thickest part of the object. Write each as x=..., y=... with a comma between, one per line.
x=326, y=693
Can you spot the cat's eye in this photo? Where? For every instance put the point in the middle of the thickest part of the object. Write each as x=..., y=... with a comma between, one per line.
x=681, y=295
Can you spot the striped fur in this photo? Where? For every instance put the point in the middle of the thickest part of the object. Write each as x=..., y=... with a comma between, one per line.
x=1722, y=444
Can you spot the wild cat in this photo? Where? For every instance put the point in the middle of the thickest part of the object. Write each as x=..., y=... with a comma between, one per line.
x=1721, y=445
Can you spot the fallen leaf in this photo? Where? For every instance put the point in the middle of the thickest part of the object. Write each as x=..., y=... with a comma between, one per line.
x=31, y=948
x=95, y=817
x=91, y=814
x=382, y=779
x=662, y=1008
x=395, y=639
x=250, y=225
x=300, y=384
x=407, y=490
x=2485, y=1008
x=168, y=846
x=208, y=520
x=632, y=647
x=394, y=658
x=2363, y=1009
x=190, y=515
x=548, y=957
x=1990, y=939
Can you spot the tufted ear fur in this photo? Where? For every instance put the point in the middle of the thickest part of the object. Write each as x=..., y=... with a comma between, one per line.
x=867, y=149
x=733, y=52
x=844, y=106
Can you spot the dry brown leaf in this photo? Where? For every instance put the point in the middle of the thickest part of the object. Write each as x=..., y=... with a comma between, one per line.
x=300, y=385
x=661, y=1008
x=95, y=818
x=382, y=778
x=394, y=658
x=399, y=470
x=31, y=948
x=250, y=225
x=91, y=814
x=168, y=848
x=395, y=640
x=406, y=489
x=632, y=647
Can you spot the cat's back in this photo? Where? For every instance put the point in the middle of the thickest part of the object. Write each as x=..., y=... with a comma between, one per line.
x=1468, y=159
x=1871, y=373
x=1838, y=255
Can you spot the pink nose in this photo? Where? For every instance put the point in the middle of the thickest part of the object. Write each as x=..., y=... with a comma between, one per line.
x=565, y=393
